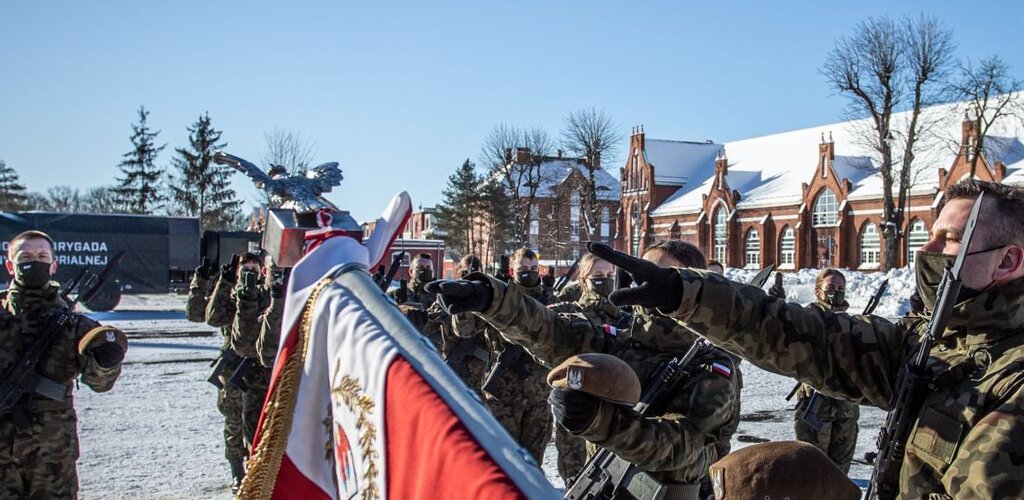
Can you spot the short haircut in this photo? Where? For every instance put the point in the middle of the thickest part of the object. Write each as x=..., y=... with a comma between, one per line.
x=470, y=261
x=252, y=257
x=824, y=274
x=1005, y=227
x=30, y=235
x=523, y=253
x=714, y=263
x=684, y=252
x=424, y=255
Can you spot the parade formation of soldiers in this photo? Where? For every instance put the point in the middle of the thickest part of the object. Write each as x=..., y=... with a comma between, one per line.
x=640, y=357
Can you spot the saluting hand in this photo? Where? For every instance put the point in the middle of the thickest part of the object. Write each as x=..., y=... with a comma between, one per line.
x=656, y=286
x=459, y=296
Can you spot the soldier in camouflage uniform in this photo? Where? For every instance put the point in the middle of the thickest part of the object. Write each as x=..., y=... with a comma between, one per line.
x=270, y=320
x=965, y=441
x=675, y=444
x=252, y=299
x=220, y=312
x=38, y=437
x=468, y=352
x=571, y=292
x=838, y=434
x=415, y=302
x=518, y=398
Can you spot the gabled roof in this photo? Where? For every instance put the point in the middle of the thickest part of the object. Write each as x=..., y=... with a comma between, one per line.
x=680, y=162
x=786, y=160
x=555, y=171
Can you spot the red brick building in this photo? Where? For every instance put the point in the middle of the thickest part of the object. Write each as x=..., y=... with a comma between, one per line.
x=802, y=199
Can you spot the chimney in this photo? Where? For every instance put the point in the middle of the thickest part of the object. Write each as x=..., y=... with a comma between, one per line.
x=559, y=153
x=522, y=155
x=827, y=149
x=969, y=134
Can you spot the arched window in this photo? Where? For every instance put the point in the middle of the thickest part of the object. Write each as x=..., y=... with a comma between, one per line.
x=787, y=247
x=916, y=238
x=753, y=249
x=826, y=209
x=718, y=251
x=870, y=245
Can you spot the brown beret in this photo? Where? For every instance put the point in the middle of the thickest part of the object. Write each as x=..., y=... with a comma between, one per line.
x=778, y=470
x=101, y=334
x=601, y=375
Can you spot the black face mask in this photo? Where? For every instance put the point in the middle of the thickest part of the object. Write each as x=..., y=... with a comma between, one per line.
x=32, y=274
x=601, y=286
x=424, y=275
x=929, y=268
x=528, y=279
x=835, y=298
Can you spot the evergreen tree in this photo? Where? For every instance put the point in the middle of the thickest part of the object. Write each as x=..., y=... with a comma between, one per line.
x=139, y=189
x=455, y=213
x=201, y=188
x=12, y=192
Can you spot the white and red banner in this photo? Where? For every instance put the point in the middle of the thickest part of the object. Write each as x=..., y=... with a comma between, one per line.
x=360, y=408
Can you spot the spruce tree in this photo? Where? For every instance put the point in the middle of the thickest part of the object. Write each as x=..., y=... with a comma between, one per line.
x=455, y=213
x=139, y=189
x=201, y=188
x=12, y=192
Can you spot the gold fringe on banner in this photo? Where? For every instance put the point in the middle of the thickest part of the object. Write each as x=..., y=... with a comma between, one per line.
x=265, y=460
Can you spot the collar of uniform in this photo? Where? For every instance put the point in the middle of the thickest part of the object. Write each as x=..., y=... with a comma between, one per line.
x=837, y=309
x=661, y=333
x=995, y=314
x=21, y=299
x=591, y=300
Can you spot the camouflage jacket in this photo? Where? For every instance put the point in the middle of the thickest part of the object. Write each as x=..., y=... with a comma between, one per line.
x=676, y=442
x=965, y=442
x=416, y=295
x=830, y=408
x=221, y=308
x=270, y=332
x=570, y=292
x=25, y=311
x=248, y=321
x=198, y=295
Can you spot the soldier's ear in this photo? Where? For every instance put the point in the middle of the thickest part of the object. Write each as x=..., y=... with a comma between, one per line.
x=1011, y=264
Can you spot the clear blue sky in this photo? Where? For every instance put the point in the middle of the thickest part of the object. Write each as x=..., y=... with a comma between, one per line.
x=401, y=94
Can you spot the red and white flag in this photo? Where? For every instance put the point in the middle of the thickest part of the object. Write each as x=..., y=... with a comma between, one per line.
x=360, y=407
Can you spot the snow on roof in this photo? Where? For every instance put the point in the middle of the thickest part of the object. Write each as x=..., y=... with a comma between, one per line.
x=555, y=171
x=787, y=160
x=689, y=200
x=680, y=162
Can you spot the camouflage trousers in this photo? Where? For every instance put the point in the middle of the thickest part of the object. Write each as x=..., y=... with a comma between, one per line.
x=837, y=437
x=523, y=409
x=723, y=445
x=39, y=462
x=229, y=402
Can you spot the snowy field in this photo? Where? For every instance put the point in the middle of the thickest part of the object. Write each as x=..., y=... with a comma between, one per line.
x=158, y=434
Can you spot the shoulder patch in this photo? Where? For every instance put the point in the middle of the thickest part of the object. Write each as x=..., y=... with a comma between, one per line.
x=721, y=369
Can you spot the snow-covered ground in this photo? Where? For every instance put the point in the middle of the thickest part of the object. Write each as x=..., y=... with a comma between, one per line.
x=158, y=434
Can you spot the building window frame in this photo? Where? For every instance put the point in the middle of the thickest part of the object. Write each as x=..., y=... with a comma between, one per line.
x=870, y=246
x=826, y=209
x=752, y=249
x=719, y=232
x=787, y=248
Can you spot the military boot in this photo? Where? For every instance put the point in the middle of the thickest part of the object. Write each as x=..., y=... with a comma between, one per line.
x=237, y=474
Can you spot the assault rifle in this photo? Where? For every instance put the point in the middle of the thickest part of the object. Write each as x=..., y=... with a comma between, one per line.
x=22, y=378
x=912, y=386
x=876, y=298
x=606, y=476
x=464, y=349
x=511, y=356
x=564, y=280
x=396, y=264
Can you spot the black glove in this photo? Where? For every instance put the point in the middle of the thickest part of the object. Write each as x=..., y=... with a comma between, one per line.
x=280, y=282
x=658, y=287
x=229, y=271
x=776, y=289
x=250, y=281
x=459, y=296
x=205, y=269
x=107, y=354
x=574, y=410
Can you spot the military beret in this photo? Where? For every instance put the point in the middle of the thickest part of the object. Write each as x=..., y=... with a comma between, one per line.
x=101, y=334
x=780, y=470
x=601, y=375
